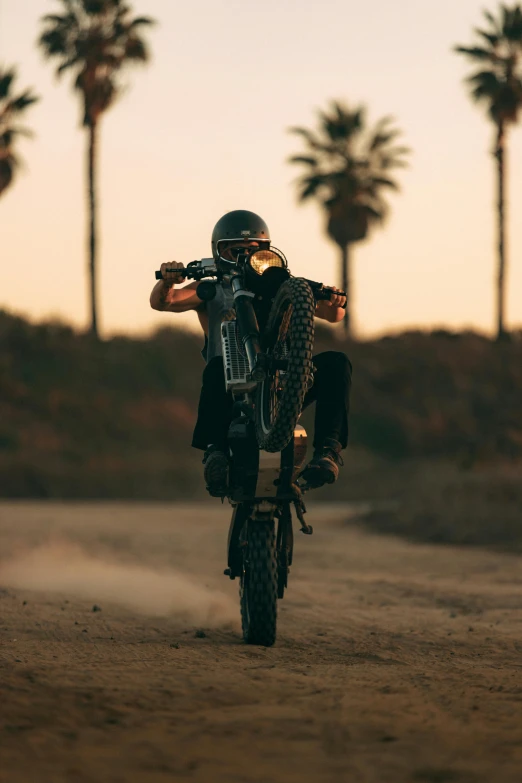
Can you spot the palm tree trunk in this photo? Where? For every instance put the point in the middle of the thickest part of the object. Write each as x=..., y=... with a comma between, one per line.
x=92, y=128
x=501, y=207
x=345, y=284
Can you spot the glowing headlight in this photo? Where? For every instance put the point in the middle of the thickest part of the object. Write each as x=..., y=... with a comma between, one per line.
x=263, y=259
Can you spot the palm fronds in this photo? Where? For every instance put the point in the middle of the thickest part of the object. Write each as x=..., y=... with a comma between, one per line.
x=11, y=107
x=498, y=82
x=95, y=39
x=347, y=166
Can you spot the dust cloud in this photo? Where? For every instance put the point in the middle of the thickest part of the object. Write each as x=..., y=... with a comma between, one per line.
x=66, y=568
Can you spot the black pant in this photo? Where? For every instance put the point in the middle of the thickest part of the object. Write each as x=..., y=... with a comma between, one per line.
x=330, y=392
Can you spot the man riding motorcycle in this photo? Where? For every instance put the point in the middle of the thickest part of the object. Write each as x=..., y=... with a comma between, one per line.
x=237, y=232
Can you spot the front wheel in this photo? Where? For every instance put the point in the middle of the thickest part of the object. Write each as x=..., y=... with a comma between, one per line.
x=259, y=583
x=288, y=343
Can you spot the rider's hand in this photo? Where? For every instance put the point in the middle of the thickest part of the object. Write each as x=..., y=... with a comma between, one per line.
x=336, y=300
x=171, y=277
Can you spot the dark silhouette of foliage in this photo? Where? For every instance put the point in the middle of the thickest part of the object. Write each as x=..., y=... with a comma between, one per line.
x=497, y=84
x=114, y=418
x=348, y=169
x=11, y=107
x=96, y=40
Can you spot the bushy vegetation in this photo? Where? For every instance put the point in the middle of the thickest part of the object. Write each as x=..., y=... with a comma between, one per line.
x=81, y=418
x=438, y=394
x=434, y=502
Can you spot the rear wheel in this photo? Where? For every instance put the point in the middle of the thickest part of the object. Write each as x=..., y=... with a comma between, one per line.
x=259, y=583
x=288, y=342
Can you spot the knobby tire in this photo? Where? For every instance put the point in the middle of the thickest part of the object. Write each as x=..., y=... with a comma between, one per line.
x=259, y=583
x=280, y=397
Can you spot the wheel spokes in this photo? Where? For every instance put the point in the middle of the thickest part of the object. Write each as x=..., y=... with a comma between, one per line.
x=279, y=351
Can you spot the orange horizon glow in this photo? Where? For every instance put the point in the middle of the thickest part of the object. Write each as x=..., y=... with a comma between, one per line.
x=203, y=129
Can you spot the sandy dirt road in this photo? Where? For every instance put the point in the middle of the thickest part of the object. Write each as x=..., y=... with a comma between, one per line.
x=394, y=662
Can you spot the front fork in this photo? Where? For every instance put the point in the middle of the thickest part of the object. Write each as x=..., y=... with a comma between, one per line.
x=249, y=329
x=264, y=511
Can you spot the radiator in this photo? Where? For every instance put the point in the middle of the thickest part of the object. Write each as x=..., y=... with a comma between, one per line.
x=237, y=371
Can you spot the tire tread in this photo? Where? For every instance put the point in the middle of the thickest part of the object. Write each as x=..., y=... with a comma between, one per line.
x=258, y=589
x=301, y=334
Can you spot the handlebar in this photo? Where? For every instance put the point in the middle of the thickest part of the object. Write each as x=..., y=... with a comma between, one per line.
x=186, y=272
x=320, y=291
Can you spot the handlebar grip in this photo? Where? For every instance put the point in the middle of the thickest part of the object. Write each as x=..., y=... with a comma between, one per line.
x=159, y=275
x=327, y=293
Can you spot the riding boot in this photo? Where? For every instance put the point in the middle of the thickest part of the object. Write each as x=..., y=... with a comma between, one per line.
x=216, y=471
x=323, y=468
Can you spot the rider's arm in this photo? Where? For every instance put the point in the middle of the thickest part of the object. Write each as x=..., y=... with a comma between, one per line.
x=331, y=309
x=174, y=300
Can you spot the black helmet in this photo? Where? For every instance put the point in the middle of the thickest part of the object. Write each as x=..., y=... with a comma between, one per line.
x=239, y=225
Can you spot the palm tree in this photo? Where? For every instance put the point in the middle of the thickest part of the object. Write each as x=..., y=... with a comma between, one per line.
x=347, y=169
x=498, y=84
x=96, y=40
x=11, y=107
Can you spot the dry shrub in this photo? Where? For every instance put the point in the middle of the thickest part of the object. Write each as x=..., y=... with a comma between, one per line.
x=439, y=504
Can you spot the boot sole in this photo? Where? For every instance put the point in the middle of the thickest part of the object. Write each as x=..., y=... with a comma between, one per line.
x=216, y=476
x=317, y=477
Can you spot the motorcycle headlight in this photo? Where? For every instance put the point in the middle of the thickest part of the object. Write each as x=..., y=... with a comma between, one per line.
x=264, y=259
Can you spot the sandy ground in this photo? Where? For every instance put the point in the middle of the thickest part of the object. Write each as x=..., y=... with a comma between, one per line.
x=394, y=662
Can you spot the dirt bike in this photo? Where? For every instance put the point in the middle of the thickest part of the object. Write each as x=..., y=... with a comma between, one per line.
x=267, y=354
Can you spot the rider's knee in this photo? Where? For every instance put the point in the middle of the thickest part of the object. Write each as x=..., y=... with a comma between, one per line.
x=336, y=362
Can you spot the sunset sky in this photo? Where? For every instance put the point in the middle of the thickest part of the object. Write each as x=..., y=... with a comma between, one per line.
x=203, y=130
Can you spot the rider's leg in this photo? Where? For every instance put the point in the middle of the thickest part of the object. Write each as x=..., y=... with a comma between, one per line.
x=331, y=393
x=210, y=433
x=215, y=408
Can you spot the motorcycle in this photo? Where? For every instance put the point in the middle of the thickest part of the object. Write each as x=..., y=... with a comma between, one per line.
x=267, y=355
